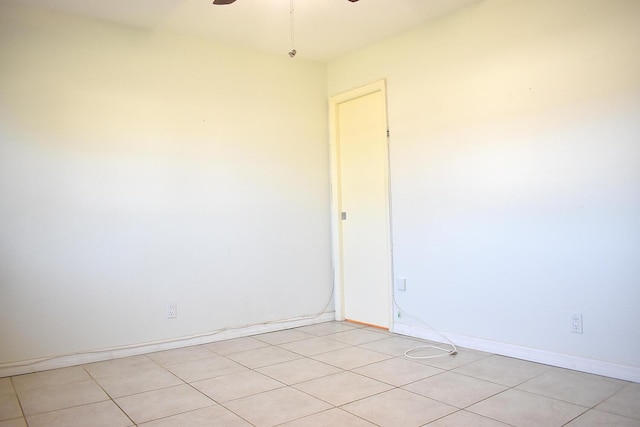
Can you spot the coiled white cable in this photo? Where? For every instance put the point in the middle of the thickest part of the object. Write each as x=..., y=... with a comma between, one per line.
x=447, y=352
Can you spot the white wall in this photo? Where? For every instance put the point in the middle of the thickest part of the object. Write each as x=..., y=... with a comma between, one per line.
x=139, y=168
x=515, y=174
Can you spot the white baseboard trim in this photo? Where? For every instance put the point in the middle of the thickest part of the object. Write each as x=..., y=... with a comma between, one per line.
x=64, y=361
x=607, y=369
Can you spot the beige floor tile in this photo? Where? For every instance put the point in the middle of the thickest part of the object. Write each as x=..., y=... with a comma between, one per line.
x=626, y=402
x=332, y=417
x=9, y=405
x=313, y=346
x=50, y=378
x=399, y=408
x=235, y=386
x=327, y=328
x=202, y=369
x=51, y=398
x=503, y=370
x=523, y=409
x=236, y=345
x=125, y=384
x=595, y=418
x=356, y=325
x=17, y=422
x=358, y=336
x=180, y=355
x=394, y=346
x=6, y=386
x=125, y=365
x=573, y=387
x=213, y=416
x=162, y=403
x=102, y=414
x=351, y=357
x=282, y=337
x=455, y=389
x=276, y=406
x=342, y=388
x=298, y=371
x=263, y=357
x=464, y=418
x=463, y=357
x=397, y=371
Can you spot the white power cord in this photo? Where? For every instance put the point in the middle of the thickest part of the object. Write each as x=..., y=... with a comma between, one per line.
x=447, y=352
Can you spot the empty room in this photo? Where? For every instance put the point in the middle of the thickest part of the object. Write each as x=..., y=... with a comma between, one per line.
x=319, y=213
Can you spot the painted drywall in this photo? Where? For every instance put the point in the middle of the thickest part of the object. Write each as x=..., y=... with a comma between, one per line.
x=141, y=168
x=515, y=173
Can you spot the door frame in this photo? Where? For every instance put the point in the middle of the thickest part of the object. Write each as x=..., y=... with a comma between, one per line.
x=336, y=208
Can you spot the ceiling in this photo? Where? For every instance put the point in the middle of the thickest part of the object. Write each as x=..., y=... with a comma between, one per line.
x=324, y=29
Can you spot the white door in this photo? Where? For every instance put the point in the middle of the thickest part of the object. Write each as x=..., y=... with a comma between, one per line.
x=361, y=163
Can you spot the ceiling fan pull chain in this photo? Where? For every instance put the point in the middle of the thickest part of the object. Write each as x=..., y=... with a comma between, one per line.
x=292, y=52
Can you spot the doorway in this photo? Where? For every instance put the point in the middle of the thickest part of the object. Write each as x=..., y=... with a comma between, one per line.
x=361, y=213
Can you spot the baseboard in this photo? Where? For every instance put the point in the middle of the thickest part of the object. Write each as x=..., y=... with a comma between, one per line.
x=64, y=361
x=612, y=370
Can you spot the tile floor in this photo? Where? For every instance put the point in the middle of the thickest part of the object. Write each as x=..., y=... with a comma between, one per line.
x=329, y=374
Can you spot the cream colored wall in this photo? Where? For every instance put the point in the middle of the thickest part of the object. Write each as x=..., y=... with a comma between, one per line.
x=139, y=168
x=515, y=173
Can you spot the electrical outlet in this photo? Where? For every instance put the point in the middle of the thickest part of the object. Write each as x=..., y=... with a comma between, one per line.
x=576, y=323
x=401, y=283
x=172, y=310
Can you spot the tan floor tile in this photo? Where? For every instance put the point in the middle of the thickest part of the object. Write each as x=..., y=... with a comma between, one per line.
x=236, y=345
x=299, y=370
x=523, y=409
x=213, y=416
x=455, y=389
x=17, y=422
x=626, y=402
x=50, y=378
x=235, y=386
x=51, y=398
x=326, y=328
x=6, y=386
x=263, y=357
x=394, y=345
x=276, y=407
x=9, y=405
x=162, y=403
x=351, y=357
x=595, y=418
x=464, y=418
x=202, y=369
x=313, y=346
x=503, y=370
x=397, y=371
x=463, y=357
x=573, y=387
x=399, y=408
x=125, y=365
x=180, y=355
x=358, y=336
x=282, y=337
x=102, y=414
x=332, y=417
x=125, y=384
x=342, y=388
